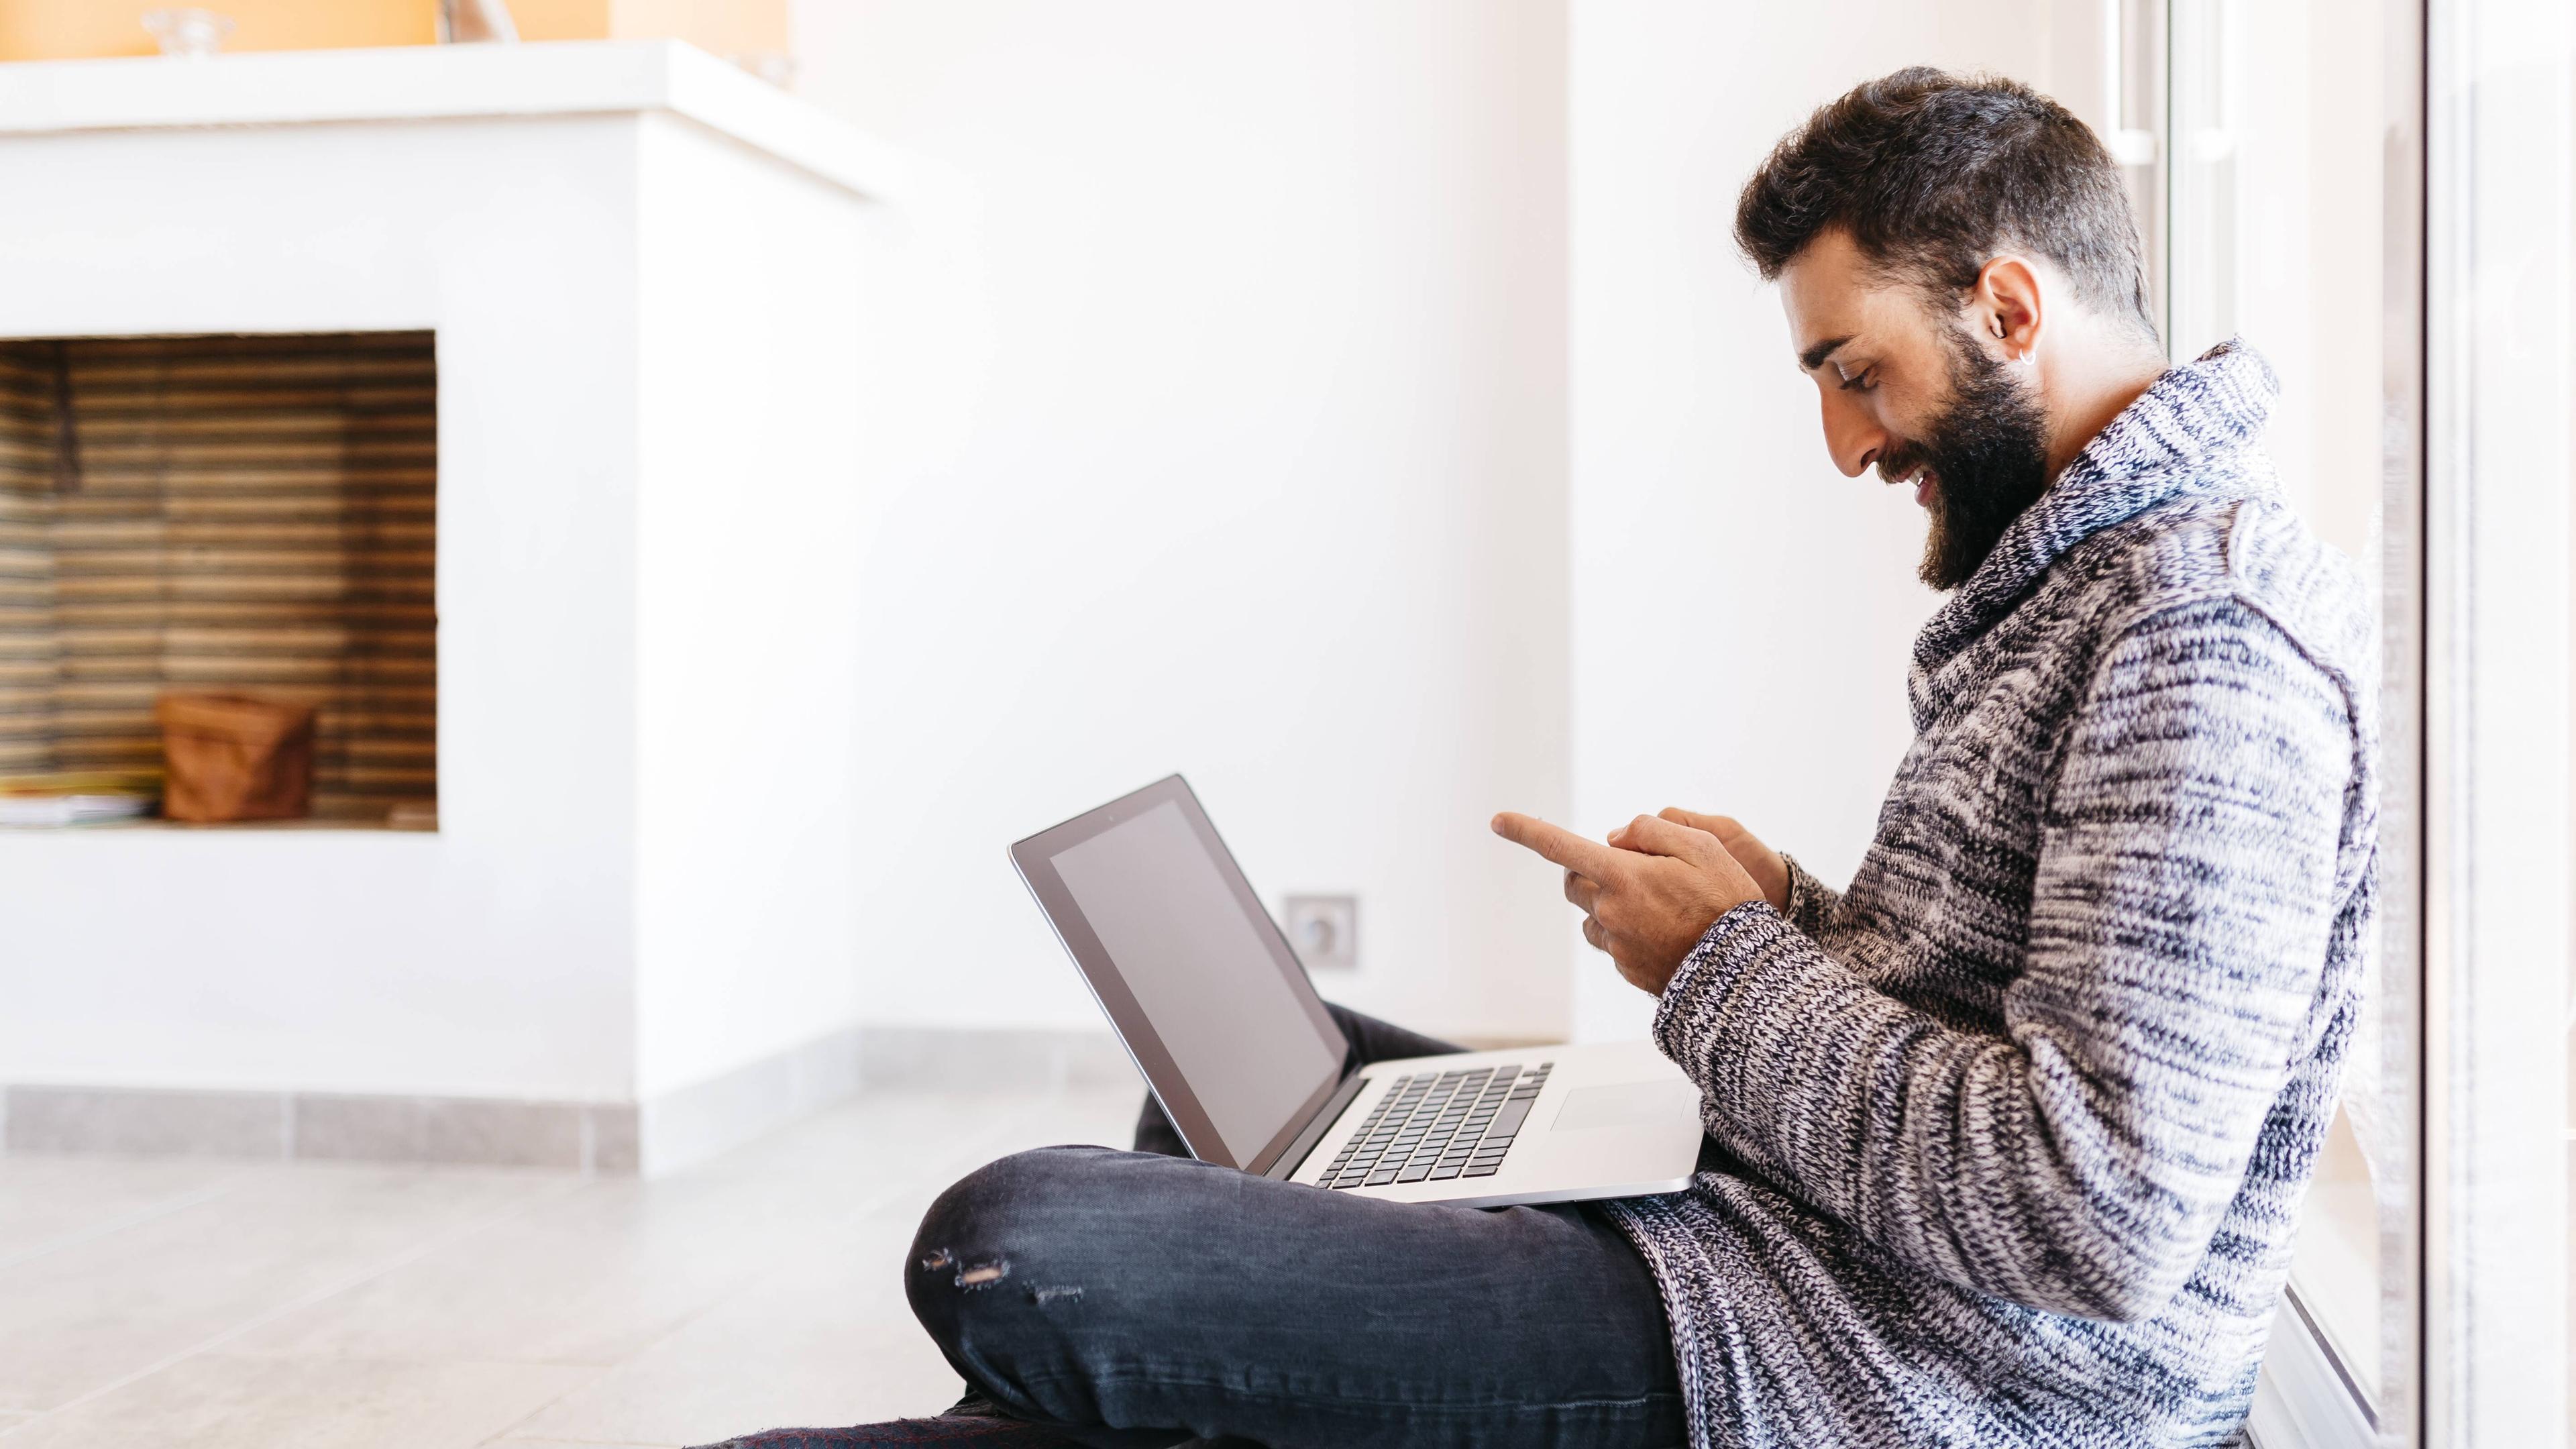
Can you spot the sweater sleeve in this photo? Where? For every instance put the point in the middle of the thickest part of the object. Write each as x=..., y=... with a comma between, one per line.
x=2184, y=891
x=1811, y=901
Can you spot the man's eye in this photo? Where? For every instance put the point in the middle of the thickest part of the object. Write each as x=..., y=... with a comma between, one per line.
x=1862, y=381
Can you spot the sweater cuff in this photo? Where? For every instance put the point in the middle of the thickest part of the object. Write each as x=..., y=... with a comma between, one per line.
x=1735, y=942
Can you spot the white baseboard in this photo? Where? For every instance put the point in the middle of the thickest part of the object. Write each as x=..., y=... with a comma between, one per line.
x=664, y=1134
x=593, y=1137
x=684, y=1127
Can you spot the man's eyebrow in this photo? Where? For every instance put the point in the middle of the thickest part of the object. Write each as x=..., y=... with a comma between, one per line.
x=1814, y=357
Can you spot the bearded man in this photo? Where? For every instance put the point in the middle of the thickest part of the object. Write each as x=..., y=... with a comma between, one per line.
x=2006, y=1142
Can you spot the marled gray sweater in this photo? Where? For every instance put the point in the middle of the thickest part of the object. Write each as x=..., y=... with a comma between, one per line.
x=2014, y=1132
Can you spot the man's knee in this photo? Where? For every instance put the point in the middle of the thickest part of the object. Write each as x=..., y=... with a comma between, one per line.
x=989, y=1206
x=990, y=1268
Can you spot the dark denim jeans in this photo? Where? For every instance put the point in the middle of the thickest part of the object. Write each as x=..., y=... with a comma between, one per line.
x=1144, y=1298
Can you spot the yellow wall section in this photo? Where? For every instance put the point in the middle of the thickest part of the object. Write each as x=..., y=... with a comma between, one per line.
x=75, y=29
x=558, y=19
x=725, y=27
x=69, y=29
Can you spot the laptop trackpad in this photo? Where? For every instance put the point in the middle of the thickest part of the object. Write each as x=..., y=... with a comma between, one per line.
x=1626, y=1104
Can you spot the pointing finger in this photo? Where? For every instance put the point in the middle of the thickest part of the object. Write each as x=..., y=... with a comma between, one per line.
x=1562, y=846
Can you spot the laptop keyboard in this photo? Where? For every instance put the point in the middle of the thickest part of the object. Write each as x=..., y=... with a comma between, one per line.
x=1434, y=1126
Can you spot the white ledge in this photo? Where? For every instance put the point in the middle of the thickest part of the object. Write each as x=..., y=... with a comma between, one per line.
x=440, y=82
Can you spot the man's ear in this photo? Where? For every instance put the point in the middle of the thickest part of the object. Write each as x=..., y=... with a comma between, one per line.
x=2007, y=308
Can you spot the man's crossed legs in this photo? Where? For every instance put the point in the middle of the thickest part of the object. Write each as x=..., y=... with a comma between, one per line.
x=1144, y=1298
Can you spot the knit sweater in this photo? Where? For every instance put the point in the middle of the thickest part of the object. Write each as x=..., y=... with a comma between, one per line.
x=2008, y=1141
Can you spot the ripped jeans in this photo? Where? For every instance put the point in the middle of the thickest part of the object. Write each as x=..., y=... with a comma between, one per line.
x=1144, y=1299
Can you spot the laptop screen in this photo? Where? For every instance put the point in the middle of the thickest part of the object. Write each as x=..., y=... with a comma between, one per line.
x=1191, y=970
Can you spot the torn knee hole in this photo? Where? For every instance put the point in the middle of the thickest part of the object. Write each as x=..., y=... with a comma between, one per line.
x=979, y=1273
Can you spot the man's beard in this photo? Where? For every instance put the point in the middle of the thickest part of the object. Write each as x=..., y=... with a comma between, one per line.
x=1988, y=452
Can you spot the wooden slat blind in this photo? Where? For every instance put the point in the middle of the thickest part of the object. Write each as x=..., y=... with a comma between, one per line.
x=244, y=514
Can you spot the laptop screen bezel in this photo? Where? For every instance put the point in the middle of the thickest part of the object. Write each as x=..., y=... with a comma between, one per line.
x=1035, y=860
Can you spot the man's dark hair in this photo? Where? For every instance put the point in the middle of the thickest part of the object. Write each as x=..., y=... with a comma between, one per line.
x=1933, y=174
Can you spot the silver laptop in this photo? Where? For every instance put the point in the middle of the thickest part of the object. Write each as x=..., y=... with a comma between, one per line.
x=1219, y=1015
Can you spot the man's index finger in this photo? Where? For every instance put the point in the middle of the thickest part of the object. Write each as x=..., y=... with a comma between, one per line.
x=1583, y=857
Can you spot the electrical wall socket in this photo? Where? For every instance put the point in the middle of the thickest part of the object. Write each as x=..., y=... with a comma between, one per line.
x=1325, y=930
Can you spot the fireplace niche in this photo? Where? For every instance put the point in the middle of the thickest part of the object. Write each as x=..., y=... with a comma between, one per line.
x=234, y=514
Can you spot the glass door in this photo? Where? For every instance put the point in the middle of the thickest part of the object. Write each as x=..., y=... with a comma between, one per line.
x=2499, y=185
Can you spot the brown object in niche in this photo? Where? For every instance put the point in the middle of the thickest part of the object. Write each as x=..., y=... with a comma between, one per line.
x=231, y=757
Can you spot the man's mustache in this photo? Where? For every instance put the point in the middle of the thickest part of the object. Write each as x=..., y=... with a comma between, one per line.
x=1903, y=460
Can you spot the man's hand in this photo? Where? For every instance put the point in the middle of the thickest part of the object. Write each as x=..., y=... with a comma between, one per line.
x=1760, y=861
x=1648, y=896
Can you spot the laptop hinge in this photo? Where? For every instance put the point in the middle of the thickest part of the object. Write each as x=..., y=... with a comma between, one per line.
x=1316, y=1126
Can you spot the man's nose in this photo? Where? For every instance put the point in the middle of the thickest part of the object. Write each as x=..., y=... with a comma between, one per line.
x=1851, y=436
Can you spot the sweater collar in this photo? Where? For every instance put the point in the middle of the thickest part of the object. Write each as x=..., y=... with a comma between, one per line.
x=2158, y=449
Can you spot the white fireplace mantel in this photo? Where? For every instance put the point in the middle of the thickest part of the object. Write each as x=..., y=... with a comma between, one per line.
x=449, y=82
x=656, y=288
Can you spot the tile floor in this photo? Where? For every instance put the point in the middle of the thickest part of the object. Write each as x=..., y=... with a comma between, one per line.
x=309, y=1306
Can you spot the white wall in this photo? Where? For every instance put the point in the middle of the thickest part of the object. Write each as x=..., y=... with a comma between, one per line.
x=753, y=474
x=1238, y=446
x=1742, y=612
